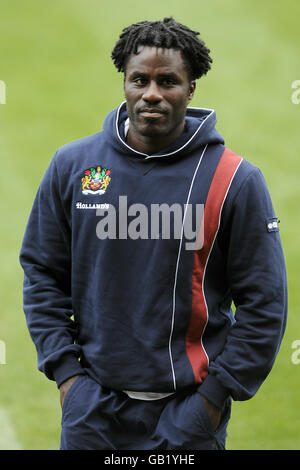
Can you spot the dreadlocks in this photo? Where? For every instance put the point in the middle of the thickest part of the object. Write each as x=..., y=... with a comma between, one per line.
x=166, y=34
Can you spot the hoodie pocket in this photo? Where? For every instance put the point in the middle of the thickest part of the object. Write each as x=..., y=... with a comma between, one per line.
x=203, y=416
x=200, y=420
x=184, y=424
x=70, y=395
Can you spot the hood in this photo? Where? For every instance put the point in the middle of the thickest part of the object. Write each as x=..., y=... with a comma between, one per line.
x=199, y=131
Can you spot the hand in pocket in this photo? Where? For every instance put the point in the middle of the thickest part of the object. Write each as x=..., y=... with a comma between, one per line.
x=185, y=424
x=65, y=386
x=214, y=413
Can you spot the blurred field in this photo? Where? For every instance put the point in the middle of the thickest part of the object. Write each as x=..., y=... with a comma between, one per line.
x=60, y=84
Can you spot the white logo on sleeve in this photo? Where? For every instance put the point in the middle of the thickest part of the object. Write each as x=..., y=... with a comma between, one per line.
x=273, y=224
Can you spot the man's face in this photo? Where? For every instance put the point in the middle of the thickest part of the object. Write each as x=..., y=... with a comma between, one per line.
x=157, y=90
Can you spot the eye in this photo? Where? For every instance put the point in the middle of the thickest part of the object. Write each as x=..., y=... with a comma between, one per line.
x=140, y=81
x=168, y=82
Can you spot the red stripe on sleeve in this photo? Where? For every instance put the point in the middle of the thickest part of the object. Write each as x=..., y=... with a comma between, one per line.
x=219, y=187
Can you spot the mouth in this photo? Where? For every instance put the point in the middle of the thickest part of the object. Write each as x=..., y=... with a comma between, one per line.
x=152, y=113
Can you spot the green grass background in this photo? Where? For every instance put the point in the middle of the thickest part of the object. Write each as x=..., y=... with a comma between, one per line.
x=60, y=84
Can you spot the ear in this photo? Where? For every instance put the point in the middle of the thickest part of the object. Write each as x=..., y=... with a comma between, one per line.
x=192, y=88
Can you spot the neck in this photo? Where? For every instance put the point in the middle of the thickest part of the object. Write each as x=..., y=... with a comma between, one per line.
x=154, y=143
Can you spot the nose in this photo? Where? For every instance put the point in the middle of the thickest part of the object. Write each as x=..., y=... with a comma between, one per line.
x=152, y=93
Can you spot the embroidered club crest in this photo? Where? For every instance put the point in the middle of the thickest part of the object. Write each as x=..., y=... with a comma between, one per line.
x=95, y=180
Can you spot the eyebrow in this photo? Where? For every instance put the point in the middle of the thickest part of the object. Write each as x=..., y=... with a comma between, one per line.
x=136, y=73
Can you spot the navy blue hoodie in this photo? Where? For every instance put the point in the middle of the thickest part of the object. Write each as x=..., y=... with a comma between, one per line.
x=134, y=306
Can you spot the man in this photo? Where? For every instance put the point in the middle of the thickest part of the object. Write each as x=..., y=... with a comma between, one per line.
x=130, y=317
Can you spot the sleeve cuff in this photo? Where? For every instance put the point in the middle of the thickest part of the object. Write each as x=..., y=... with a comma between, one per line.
x=214, y=391
x=68, y=367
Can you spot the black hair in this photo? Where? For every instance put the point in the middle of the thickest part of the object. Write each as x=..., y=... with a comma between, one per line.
x=166, y=34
